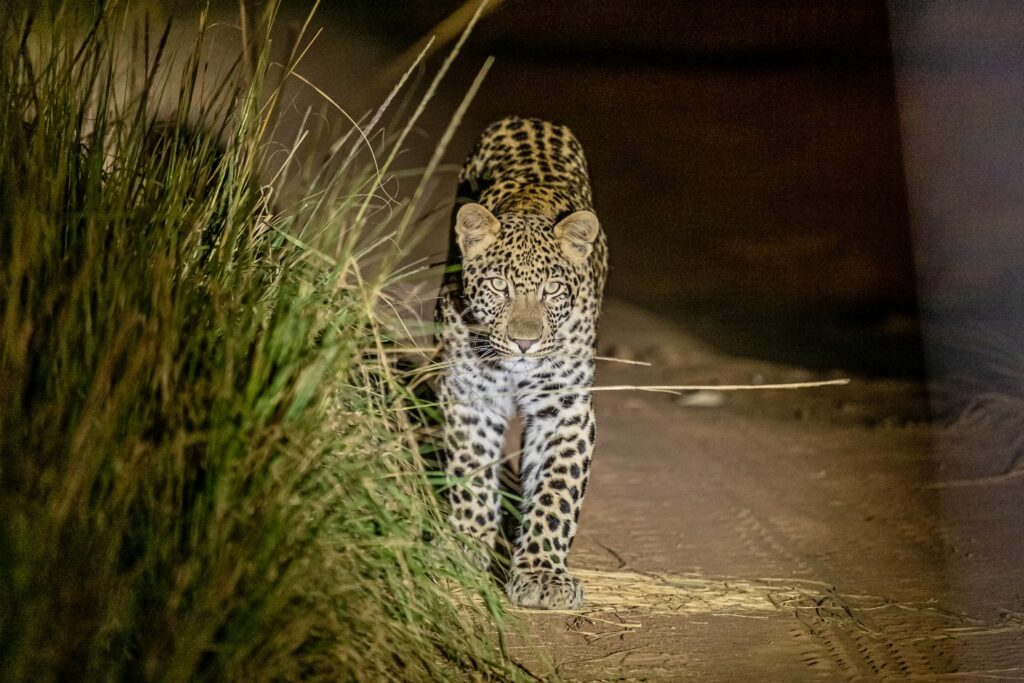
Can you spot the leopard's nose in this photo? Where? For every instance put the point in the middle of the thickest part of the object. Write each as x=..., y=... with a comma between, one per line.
x=524, y=344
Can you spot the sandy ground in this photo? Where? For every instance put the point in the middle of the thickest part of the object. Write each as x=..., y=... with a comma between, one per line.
x=786, y=535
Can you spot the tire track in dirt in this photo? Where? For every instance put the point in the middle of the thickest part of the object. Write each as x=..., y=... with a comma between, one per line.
x=865, y=639
x=858, y=653
x=775, y=548
x=764, y=541
x=837, y=637
x=873, y=637
x=629, y=614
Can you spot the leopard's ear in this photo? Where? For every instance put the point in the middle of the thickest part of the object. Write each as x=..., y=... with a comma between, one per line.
x=576, y=233
x=475, y=228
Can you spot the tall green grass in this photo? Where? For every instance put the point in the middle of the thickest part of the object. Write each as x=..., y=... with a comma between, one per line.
x=204, y=471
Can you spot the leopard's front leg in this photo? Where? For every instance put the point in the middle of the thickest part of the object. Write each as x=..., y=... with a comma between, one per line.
x=558, y=444
x=473, y=433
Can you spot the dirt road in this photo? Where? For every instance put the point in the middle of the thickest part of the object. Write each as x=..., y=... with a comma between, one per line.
x=782, y=535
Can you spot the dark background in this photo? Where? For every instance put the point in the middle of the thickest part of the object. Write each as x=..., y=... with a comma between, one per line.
x=818, y=183
x=745, y=157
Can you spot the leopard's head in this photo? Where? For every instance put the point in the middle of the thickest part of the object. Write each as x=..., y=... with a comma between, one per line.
x=523, y=275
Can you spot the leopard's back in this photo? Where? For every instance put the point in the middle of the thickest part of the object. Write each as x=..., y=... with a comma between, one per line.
x=528, y=165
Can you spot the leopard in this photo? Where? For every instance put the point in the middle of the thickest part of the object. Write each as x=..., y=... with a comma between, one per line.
x=517, y=320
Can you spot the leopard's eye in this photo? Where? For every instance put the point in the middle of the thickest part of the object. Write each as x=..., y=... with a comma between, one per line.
x=498, y=284
x=554, y=288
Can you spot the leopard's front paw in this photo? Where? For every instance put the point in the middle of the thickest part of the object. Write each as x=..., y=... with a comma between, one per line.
x=545, y=590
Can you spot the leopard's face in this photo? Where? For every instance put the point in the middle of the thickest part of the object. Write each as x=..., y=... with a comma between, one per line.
x=522, y=290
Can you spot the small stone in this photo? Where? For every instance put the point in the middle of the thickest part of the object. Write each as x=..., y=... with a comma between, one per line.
x=620, y=351
x=702, y=399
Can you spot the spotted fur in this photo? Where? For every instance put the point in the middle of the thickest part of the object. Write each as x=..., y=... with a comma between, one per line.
x=517, y=327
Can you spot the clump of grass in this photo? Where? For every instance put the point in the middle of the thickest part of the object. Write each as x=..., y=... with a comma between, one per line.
x=204, y=474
